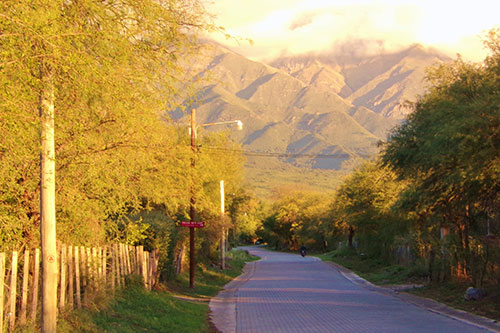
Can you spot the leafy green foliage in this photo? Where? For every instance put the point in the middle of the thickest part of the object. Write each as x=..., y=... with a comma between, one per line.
x=114, y=68
x=364, y=201
x=448, y=151
x=297, y=218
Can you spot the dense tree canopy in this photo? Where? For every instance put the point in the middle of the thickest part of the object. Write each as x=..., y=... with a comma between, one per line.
x=114, y=69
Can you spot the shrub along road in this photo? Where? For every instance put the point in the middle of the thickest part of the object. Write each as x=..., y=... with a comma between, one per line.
x=288, y=293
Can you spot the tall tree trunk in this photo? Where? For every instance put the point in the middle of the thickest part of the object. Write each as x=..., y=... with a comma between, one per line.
x=351, y=236
x=180, y=259
x=48, y=210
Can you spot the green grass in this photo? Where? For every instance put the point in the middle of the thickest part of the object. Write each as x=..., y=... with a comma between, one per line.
x=209, y=280
x=375, y=270
x=139, y=310
x=383, y=273
x=452, y=295
x=135, y=309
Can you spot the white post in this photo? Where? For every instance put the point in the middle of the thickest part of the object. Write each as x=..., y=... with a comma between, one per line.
x=222, y=242
x=48, y=210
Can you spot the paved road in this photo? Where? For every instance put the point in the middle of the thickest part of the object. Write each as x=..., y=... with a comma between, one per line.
x=288, y=293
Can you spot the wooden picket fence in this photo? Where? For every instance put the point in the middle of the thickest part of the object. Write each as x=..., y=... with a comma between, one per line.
x=82, y=271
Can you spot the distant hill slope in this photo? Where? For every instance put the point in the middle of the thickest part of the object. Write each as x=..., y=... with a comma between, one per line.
x=323, y=113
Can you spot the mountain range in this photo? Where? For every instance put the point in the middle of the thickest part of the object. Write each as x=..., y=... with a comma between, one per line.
x=312, y=117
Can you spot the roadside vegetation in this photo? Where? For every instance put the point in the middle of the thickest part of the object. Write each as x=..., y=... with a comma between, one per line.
x=414, y=279
x=426, y=210
x=171, y=308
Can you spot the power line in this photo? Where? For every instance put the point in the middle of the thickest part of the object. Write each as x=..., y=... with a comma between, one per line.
x=276, y=154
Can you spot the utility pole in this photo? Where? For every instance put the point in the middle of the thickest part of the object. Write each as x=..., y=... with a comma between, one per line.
x=48, y=210
x=222, y=241
x=191, y=207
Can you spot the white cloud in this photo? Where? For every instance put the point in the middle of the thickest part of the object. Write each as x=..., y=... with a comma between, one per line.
x=299, y=26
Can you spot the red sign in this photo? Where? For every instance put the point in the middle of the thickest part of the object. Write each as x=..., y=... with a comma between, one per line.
x=192, y=224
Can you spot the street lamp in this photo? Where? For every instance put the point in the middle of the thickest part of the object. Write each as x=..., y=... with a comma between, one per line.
x=193, y=128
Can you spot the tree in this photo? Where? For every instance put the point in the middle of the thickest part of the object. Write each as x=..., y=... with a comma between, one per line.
x=297, y=218
x=364, y=203
x=106, y=69
x=448, y=149
x=246, y=212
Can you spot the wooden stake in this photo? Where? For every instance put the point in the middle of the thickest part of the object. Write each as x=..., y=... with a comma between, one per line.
x=83, y=272
x=70, y=277
x=36, y=279
x=95, y=270
x=113, y=267
x=77, y=279
x=24, y=298
x=88, y=256
x=2, y=279
x=150, y=270
x=132, y=258
x=127, y=258
x=138, y=260
x=145, y=268
x=99, y=263
x=120, y=259
x=118, y=266
x=104, y=265
x=13, y=291
x=123, y=266
x=62, y=291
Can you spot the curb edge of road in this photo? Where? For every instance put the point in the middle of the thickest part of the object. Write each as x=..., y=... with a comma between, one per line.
x=223, y=306
x=422, y=302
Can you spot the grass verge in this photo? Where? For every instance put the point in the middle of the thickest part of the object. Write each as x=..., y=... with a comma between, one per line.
x=375, y=270
x=210, y=280
x=135, y=309
x=382, y=273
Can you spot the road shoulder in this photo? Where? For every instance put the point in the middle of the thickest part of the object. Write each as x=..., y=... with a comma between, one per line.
x=223, y=306
x=422, y=302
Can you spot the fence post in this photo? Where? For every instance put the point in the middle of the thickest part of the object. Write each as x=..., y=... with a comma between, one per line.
x=113, y=267
x=132, y=258
x=62, y=291
x=118, y=265
x=150, y=270
x=104, y=265
x=95, y=270
x=70, y=277
x=12, y=297
x=83, y=273
x=123, y=265
x=99, y=264
x=2, y=277
x=89, y=270
x=127, y=257
x=36, y=277
x=145, y=268
x=154, y=274
x=24, y=298
x=77, y=279
x=138, y=260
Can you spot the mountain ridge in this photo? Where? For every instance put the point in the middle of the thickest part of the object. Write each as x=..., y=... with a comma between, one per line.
x=311, y=105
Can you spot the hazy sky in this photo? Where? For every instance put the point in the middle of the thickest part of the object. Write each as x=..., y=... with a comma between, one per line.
x=300, y=26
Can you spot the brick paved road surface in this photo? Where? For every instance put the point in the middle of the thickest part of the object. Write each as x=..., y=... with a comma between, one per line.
x=288, y=293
